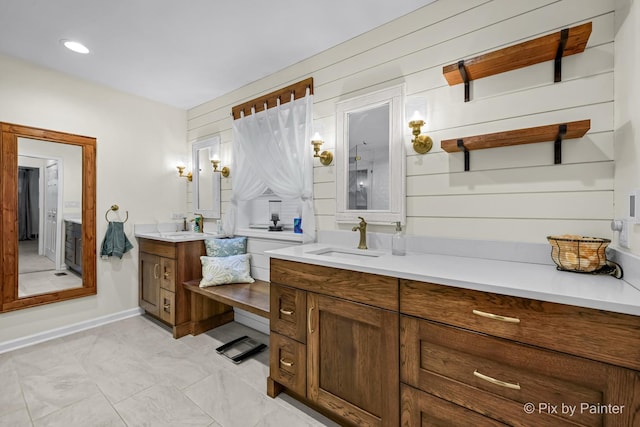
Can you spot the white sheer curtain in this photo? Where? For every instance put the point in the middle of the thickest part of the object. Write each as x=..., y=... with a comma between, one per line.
x=272, y=149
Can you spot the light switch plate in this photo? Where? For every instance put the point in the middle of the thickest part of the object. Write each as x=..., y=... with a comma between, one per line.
x=634, y=206
x=623, y=238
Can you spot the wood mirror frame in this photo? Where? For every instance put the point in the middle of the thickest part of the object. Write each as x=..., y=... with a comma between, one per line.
x=9, y=134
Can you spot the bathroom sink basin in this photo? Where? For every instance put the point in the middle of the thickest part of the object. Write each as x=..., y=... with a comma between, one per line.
x=361, y=254
x=176, y=235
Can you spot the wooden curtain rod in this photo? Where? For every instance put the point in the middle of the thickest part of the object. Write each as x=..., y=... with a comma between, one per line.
x=298, y=89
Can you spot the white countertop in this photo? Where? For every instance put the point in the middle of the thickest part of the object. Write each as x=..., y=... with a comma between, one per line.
x=537, y=281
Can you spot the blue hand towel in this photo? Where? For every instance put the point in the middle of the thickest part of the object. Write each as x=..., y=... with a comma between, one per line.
x=115, y=242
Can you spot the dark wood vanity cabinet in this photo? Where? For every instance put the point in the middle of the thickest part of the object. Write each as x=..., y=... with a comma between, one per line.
x=73, y=246
x=515, y=361
x=349, y=343
x=334, y=341
x=163, y=267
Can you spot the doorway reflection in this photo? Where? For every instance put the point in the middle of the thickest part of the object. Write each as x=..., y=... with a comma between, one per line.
x=47, y=199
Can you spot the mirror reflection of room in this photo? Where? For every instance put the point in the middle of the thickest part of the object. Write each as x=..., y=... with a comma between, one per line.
x=49, y=217
x=369, y=159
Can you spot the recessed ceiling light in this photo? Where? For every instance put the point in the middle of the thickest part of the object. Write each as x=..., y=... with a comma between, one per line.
x=75, y=46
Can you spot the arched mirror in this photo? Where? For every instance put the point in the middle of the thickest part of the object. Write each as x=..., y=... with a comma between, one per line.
x=48, y=224
x=206, y=182
x=370, y=167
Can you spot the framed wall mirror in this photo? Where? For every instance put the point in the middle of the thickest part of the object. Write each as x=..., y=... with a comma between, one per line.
x=48, y=226
x=206, y=182
x=370, y=167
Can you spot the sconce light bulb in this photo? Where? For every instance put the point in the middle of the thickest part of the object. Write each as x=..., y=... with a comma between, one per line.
x=416, y=116
x=316, y=137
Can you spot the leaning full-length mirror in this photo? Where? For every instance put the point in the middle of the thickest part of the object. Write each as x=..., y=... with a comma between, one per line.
x=48, y=216
x=206, y=182
x=370, y=168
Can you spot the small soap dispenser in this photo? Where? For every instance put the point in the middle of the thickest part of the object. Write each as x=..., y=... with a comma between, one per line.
x=398, y=246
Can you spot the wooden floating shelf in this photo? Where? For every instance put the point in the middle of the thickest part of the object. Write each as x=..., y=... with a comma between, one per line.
x=555, y=132
x=546, y=48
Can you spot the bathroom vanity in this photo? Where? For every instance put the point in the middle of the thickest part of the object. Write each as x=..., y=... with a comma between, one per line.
x=418, y=340
x=164, y=265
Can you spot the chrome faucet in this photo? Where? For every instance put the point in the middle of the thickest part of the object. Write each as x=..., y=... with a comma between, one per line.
x=362, y=227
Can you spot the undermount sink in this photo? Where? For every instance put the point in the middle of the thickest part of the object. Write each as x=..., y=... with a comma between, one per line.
x=176, y=235
x=346, y=253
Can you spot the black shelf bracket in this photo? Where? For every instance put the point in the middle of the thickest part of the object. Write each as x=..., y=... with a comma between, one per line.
x=465, y=79
x=557, y=145
x=466, y=154
x=557, y=69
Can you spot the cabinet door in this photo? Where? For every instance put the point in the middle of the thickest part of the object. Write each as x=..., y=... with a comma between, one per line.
x=352, y=360
x=149, y=283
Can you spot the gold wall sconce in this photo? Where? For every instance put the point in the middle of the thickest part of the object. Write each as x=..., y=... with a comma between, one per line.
x=422, y=143
x=326, y=157
x=225, y=171
x=181, y=174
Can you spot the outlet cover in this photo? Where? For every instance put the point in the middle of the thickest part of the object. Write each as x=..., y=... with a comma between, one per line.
x=177, y=215
x=623, y=238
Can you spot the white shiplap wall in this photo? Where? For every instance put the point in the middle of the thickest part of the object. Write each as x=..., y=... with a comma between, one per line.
x=512, y=193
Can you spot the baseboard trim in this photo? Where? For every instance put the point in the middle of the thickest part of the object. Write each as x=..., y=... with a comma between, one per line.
x=67, y=330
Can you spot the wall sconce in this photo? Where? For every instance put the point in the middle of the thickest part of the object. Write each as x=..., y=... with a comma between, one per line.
x=215, y=162
x=422, y=143
x=181, y=174
x=326, y=157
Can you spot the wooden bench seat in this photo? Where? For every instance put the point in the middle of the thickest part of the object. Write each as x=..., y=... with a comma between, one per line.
x=213, y=306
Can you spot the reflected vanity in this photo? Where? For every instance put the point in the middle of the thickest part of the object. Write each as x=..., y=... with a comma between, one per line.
x=370, y=168
x=48, y=203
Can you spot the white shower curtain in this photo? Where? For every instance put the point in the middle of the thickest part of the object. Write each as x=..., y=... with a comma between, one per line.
x=272, y=149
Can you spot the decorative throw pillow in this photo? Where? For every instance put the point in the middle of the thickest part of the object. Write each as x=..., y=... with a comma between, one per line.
x=226, y=247
x=223, y=270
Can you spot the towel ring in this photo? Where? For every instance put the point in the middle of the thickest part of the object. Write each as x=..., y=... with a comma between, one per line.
x=115, y=208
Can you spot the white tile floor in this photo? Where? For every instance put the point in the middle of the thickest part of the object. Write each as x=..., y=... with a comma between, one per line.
x=133, y=373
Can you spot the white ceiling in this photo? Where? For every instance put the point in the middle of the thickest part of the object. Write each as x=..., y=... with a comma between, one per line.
x=184, y=53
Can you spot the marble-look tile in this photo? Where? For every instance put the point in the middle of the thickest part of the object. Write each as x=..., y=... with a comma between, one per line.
x=121, y=377
x=230, y=402
x=178, y=369
x=292, y=405
x=11, y=399
x=160, y=406
x=282, y=417
x=94, y=411
x=16, y=419
x=52, y=389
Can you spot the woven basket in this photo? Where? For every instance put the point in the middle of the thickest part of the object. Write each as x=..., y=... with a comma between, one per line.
x=578, y=253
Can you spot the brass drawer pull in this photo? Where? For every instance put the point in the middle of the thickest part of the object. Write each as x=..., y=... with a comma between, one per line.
x=496, y=317
x=496, y=382
x=286, y=312
x=167, y=308
x=309, y=319
x=285, y=363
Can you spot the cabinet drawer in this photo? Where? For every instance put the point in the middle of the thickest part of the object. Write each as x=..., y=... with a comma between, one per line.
x=157, y=247
x=168, y=274
x=287, y=363
x=167, y=306
x=596, y=334
x=498, y=377
x=422, y=409
x=365, y=288
x=288, y=310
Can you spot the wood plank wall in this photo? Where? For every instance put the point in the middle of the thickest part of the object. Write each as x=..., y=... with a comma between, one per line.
x=511, y=193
